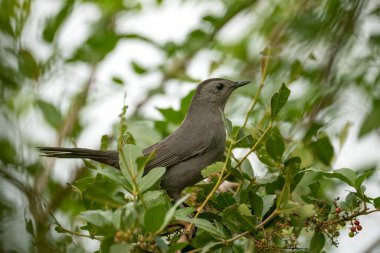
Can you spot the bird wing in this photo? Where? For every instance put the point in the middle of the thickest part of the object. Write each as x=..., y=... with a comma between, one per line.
x=172, y=151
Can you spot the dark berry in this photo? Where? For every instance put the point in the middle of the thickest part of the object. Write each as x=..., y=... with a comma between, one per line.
x=353, y=229
x=351, y=234
x=336, y=234
x=338, y=210
x=356, y=222
x=358, y=227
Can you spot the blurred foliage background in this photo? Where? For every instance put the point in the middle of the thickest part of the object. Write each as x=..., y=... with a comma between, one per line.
x=59, y=82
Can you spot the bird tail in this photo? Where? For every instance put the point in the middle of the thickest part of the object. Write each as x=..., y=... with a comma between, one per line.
x=107, y=157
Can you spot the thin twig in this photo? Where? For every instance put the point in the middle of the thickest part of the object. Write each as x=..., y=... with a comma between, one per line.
x=209, y=196
x=363, y=212
x=255, y=145
x=268, y=219
x=261, y=85
x=68, y=231
x=124, y=160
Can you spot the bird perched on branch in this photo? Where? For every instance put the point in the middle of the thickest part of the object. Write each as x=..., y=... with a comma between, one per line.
x=196, y=144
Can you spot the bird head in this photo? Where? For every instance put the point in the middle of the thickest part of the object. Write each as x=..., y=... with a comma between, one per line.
x=216, y=91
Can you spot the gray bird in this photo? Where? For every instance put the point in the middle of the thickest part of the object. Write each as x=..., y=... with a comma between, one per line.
x=196, y=144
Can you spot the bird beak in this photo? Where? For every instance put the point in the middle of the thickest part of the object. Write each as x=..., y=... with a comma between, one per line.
x=240, y=83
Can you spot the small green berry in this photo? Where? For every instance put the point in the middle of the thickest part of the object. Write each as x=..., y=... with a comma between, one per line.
x=264, y=241
x=351, y=234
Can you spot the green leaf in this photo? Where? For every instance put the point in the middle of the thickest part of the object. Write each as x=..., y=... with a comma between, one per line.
x=161, y=244
x=121, y=248
x=317, y=242
x=296, y=70
x=227, y=124
x=279, y=100
x=204, y=225
x=106, y=244
x=372, y=120
x=150, y=179
x=362, y=177
x=8, y=154
x=323, y=150
x=140, y=70
x=304, y=211
x=243, y=140
x=111, y=174
x=247, y=169
x=344, y=133
x=104, y=142
x=195, y=40
x=289, y=206
x=51, y=114
x=171, y=115
x=177, y=247
x=244, y=210
x=350, y=201
x=239, y=218
x=128, y=162
x=154, y=217
x=224, y=199
x=101, y=41
x=292, y=167
x=151, y=195
x=376, y=202
x=28, y=65
x=117, y=80
x=257, y=203
x=263, y=156
x=283, y=197
x=208, y=247
x=170, y=214
x=117, y=218
x=98, y=218
x=268, y=201
x=275, y=145
x=183, y=212
x=55, y=22
x=312, y=131
x=30, y=228
x=346, y=175
x=214, y=168
x=374, y=39
x=314, y=188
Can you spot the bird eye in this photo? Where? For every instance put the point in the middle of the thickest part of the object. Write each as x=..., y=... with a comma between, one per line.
x=219, y=86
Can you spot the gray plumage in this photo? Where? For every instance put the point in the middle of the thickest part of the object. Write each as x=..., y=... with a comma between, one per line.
x=197, y=143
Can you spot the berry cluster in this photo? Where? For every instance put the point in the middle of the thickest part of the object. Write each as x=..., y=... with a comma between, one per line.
x=329, y=223
x=282, y=234
x=355, y=223
x=355, y=228
x=140, y=242
x=123, y=236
